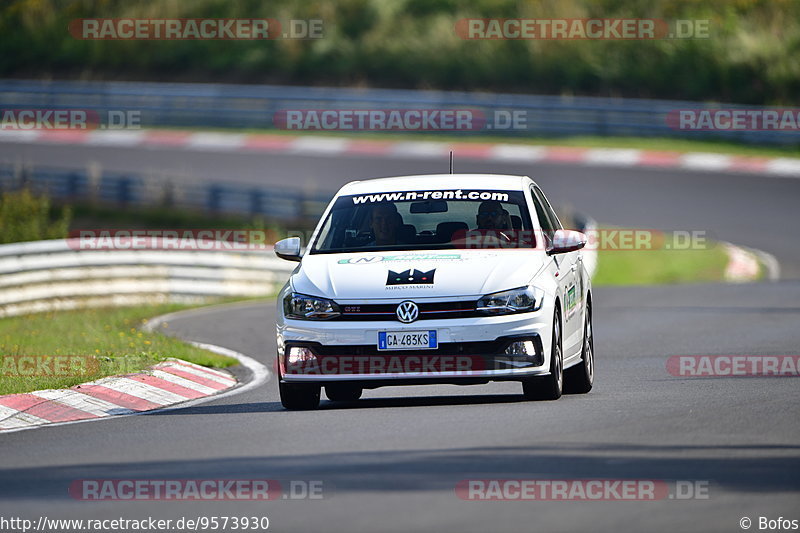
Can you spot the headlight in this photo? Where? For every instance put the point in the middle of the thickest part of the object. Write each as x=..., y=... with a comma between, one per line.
x=521, y=300
x=304, y=307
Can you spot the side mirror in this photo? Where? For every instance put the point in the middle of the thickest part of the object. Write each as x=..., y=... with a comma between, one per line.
x=565, y=240
x=288, y=249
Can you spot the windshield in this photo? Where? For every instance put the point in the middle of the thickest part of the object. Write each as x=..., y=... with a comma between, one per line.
x=425, y=220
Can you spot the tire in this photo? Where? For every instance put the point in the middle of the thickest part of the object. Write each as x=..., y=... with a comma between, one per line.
x=296, y=396
x=343, y=392
x=549, y=387
x=580, y=378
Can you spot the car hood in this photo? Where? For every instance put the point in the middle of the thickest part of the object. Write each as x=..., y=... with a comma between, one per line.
x=433, y=274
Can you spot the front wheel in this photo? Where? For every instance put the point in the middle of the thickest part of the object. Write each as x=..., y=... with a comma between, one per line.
x=549, y=387
x=299, y=396
x=580, y=378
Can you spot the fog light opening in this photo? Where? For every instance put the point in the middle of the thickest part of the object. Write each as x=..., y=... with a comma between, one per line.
x=525, y=348
x=299, y=355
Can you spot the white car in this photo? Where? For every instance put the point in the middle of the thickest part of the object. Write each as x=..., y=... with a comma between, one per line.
x=454, y=278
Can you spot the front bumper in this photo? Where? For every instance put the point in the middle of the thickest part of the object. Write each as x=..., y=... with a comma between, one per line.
x=471, y=350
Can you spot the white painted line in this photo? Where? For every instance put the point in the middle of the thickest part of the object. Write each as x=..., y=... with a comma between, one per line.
x=705, y=161
x=115, y=138
x=517, y=152
x=19, y=135
x=784, y=166
x=82, y=402
x=614, y=157
x=183, y=382
x=420, y=149
x=319, y=145
x=770, y=263
x=12, y=419
x=216, y=141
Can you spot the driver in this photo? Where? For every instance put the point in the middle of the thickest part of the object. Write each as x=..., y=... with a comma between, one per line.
x=491, y=215
x=385, y=222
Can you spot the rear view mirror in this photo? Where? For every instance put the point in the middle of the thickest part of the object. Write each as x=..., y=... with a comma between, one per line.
x=288, y=249
x=429, y=206
x=565, y=240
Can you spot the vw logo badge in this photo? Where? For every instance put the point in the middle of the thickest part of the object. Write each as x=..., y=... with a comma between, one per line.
x=407, y=312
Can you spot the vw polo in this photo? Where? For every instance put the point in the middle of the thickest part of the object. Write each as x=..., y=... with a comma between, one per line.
x=436, y=279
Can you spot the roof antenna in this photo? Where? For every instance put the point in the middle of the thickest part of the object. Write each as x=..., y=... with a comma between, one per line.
x=451, y=161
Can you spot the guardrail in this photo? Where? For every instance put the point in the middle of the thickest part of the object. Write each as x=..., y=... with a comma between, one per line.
x=254, y=106
x=132, y=189
x=56, y=275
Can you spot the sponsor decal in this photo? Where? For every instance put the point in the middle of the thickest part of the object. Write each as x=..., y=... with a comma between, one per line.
x=368, y=260
x=410, y=277
x=571, y=300
x=410, y=196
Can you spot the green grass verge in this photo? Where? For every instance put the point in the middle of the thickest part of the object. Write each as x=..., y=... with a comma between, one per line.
x=655, y=267
x=110, y=337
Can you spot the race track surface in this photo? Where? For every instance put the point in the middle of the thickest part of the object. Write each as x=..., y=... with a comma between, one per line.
x=391, y=461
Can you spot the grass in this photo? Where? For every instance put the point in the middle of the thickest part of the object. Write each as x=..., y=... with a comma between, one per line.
x=108, y=342
x=656, y=267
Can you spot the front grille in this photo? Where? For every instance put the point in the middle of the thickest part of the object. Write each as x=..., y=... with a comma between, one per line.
x=427, y=311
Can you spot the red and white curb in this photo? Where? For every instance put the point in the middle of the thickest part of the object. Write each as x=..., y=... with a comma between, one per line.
x=324, y=145
x=167, y=383
x=173, y=384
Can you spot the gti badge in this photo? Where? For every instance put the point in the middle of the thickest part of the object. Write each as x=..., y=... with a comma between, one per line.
x=410, y=277
x=407, y=312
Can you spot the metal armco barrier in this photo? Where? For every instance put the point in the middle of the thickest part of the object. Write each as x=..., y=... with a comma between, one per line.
x=56, y=275
x=131, y=189
x=255, y=106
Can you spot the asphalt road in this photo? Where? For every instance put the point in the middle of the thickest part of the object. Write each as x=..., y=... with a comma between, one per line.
x=391, y=461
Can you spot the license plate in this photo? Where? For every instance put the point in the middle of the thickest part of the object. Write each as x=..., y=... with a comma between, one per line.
x=407, y=340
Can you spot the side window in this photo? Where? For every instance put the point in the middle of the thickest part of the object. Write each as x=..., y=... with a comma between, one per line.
x=541, y=215
x=551, y=214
